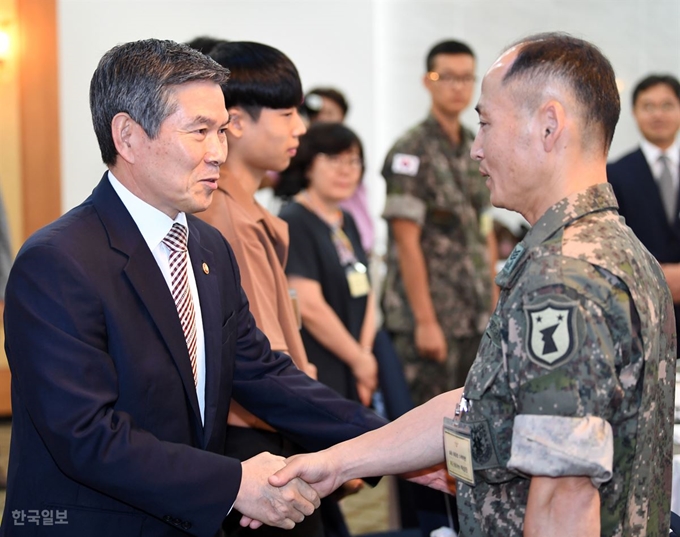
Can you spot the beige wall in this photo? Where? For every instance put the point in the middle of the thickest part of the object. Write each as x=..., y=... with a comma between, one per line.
x=10, y=133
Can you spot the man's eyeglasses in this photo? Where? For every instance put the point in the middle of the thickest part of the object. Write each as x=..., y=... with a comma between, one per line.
x=663, y=107
x=336, y=161
x=450, y=78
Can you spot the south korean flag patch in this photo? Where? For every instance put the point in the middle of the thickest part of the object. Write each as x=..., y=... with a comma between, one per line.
x=552, y=332
x=403, y=164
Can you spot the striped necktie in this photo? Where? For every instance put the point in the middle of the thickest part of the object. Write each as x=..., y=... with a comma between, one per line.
x=176, y=241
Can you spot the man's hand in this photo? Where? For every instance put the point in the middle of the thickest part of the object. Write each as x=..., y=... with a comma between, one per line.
x=261, y=502
x=672, y=273
x=317, y=469
x=436, y=477
x=430, y=341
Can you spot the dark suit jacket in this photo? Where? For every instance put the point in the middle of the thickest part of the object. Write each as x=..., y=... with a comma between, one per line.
x=106, y=422
x=640, y=204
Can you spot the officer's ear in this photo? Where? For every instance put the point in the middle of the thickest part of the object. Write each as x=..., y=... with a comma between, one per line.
x=552, y=119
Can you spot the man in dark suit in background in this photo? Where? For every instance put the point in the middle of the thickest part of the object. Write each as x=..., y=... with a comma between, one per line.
x=126, y=341
x=646, y=181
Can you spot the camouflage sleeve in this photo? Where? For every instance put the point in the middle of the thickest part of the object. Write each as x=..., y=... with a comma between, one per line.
x=556, y=446
x=404, y=172
x=574, y=360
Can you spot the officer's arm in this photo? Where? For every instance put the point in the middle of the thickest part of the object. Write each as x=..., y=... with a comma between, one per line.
x=413, y=442
x=562, y=506
x=414, y=274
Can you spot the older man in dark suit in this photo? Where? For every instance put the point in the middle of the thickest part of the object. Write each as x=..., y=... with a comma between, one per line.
x=645, y=181
x=127, y=333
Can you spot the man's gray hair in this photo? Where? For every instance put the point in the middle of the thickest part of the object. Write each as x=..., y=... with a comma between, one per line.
x=138, y=78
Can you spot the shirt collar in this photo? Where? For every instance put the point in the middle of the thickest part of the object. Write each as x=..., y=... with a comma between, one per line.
x=152, y=223
x=652, y=153
x=275, y=227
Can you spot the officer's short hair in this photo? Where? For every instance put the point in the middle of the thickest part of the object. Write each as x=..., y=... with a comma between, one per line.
x=447, y=47
x=654, y=80
x=581, y=66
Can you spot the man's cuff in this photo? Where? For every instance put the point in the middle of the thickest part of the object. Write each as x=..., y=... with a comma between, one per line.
x=405, y=206
x=559, y=446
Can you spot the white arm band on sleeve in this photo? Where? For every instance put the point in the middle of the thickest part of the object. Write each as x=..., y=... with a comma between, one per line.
x=558, y=446
x=405, y=206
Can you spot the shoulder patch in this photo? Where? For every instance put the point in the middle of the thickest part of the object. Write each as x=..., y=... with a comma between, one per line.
x=552, y=333
x=405, y=164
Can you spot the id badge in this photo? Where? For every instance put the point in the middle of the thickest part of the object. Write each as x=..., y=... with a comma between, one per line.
x=357, y=279
x=458, y=449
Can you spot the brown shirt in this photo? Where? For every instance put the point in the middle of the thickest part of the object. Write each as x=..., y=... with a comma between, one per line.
x=260, y=243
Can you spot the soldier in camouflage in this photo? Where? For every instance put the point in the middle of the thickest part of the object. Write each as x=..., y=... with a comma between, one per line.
x=564, y=426
x=437, y=296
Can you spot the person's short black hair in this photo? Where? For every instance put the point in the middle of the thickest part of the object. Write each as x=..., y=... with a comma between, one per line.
x=311, y=106
x=139, y=78
x=447, y=47
x=548, y=57
x=205, y=43
x=322, y=137
x=655, y=80
x=261, y=77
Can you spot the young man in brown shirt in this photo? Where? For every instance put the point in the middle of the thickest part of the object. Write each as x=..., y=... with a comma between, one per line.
x=262, y=96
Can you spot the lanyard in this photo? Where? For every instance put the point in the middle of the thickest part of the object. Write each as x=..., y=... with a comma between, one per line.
x=341, y=241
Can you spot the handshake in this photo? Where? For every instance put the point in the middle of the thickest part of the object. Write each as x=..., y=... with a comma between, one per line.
x=282, y=492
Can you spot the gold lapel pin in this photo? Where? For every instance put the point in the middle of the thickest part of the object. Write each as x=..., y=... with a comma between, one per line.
x=206, y=269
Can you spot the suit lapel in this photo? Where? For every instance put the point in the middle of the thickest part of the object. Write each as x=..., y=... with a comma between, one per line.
x=147, y=280
x=205, y=272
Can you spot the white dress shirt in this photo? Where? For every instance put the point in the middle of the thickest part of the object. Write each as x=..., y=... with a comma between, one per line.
x=154, y=225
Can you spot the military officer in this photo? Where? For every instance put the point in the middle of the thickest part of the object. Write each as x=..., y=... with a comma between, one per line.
x=564, y=425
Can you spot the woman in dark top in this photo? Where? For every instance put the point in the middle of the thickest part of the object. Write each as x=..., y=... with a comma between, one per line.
x=327, y=265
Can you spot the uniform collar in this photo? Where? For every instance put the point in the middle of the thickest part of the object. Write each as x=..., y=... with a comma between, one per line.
x=596, y=198
x=466, y=136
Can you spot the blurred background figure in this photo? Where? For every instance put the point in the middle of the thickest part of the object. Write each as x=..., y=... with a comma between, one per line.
x=509, y=228
x=645, y=180
x=328, y=270
x=438, y=291
x=327, y=264
x=5, y=265
x=325, y=104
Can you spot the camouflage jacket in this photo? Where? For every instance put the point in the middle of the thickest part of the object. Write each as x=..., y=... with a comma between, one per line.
x=575, y=375
x=436, y=184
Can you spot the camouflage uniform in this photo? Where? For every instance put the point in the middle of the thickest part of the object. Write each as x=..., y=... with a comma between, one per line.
x=436, y=184
x=575, y=375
